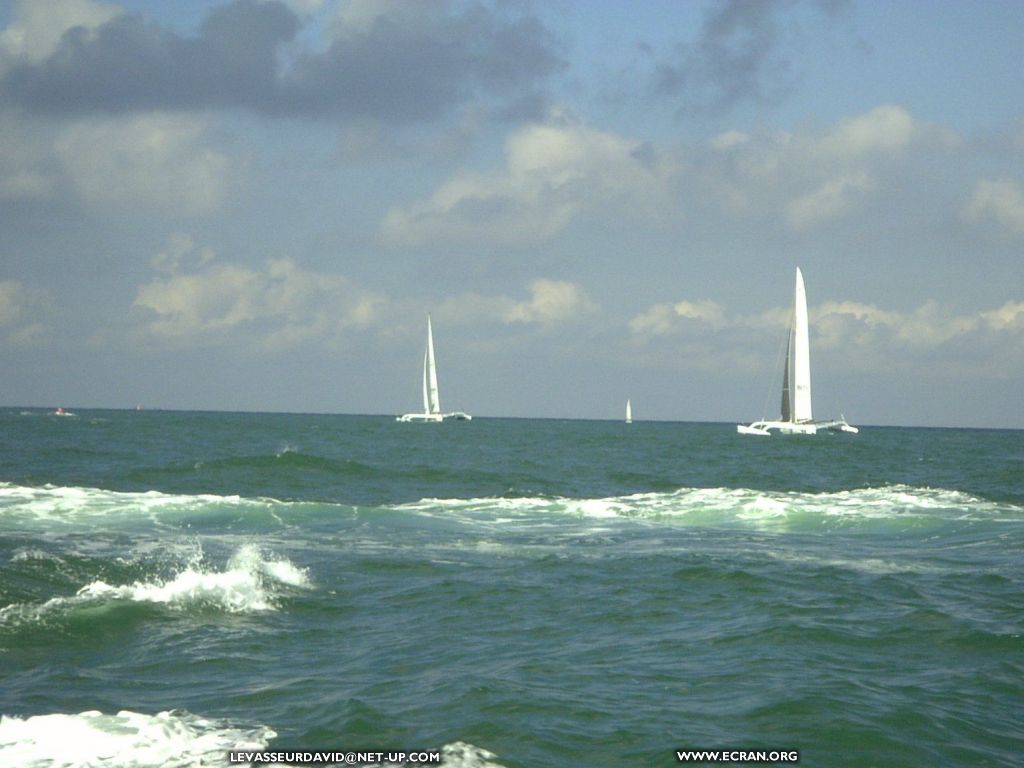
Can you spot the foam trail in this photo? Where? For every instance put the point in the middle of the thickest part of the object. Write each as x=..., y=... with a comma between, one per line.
x=127, y=739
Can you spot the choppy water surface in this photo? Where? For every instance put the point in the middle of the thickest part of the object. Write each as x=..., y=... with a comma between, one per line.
x=515, y=592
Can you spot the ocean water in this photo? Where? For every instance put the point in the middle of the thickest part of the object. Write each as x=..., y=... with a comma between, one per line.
x=512, y=592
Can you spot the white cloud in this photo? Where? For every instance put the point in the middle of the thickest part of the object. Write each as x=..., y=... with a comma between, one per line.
x=10, y=302
x=37, y=26
x=832, y=199
x=867, y=336
x=813, y=176
x=550, y=302
x=553, y=172
x=276, y=307
x=20, y=314
x=156, y=161
x=999, y=202
x=180, y=254
x=662, y=319
x=1009, y=317
x=26, y=151
x=886, y=129
x=356, y=17
x=726, y=141
x=25, y=185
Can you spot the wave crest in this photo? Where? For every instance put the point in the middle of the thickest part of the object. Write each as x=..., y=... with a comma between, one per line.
x=250, y=582
x=173, y=738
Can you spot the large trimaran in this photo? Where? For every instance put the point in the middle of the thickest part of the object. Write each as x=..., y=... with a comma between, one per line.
x=796, y=416
x=431, y=398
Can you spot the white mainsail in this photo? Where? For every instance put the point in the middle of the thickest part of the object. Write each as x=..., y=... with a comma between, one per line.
x=431, y=398
x=801, y=354
x=629, y=412
x=796, y=415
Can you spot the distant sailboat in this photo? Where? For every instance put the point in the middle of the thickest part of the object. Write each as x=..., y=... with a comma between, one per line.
x=796, y=381
x=431, y=398
x=629, y=412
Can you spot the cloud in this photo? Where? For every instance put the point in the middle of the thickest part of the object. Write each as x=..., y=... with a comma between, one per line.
x=36, y=28
x=153, y=160
x=866, y=336
x=553, y=172
x=1009, y=317
x=559, y=171
x=832, y=199
x=276, y=307
x=740, y=55
x=816, y=176
x=886, y=129
x=393, y=61
x=27, y=170
x=663, y=319
x=999, y=203
x=21, y=311
x=550, y=302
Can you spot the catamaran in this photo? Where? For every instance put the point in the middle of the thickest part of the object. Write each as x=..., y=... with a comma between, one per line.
x=431, y=398
x=796, y=416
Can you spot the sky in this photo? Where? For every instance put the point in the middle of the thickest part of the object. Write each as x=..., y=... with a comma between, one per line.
x=253, y=205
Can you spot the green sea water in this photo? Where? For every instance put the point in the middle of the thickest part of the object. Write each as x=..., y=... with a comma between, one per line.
x=513, y=592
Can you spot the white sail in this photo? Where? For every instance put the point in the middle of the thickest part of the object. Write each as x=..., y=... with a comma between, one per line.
x=629, y=412
x=796, y=415
x=801, y=388
x=431, y=398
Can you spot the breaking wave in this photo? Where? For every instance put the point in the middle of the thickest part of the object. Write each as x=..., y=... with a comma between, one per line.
x=746, y=507
x=127, y=739
x=65, y=508
x=172, y=739
x=250, y=582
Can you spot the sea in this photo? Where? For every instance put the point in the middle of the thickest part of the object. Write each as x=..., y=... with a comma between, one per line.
x=216, y=589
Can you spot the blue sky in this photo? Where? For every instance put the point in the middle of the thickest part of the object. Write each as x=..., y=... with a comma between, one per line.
x=253, y=206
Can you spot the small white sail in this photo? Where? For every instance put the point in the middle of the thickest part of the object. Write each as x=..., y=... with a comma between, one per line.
x=431, y=396
x=629, y=412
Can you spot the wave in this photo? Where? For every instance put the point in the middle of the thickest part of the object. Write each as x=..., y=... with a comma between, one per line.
x=173, y=738
x=905, y=504
x=70, y=505
x=250, y=582
x=744, y=507
x=459, y=754
x=167, y=739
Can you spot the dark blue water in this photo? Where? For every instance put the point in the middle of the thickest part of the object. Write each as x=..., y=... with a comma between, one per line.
x=514, y=592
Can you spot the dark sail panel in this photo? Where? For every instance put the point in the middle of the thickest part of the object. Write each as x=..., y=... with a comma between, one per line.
x=787, y=408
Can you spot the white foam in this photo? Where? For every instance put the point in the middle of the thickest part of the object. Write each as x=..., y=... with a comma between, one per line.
x=127, y=739
x=249, y=583
x=29, y=554
x=710, y=506
x=68, y=505
x=458, y=754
